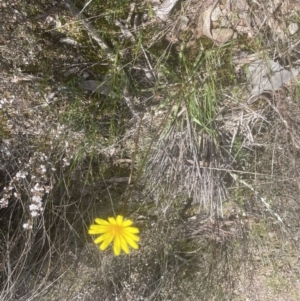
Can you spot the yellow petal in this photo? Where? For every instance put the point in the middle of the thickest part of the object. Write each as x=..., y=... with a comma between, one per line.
x=101, y=222
x=99, y=239
x=131, y=235
x=127, y=223
x=102, y=238
x=131, y=242
x=112, y=220
x=106, y=243
x=132, y=230
x=117, y=246
x=95, y=229
x=119, y=220
x=124, y=245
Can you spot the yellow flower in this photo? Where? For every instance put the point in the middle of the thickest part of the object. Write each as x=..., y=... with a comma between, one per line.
x=117, y=230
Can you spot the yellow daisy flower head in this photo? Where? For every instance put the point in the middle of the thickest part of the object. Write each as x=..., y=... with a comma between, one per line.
x=117, y=230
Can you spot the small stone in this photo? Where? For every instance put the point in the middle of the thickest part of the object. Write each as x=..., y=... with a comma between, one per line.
x=184, y=21
x=222, y=35
x=216, y=14
x=293, y=28
x=224, y=22
x=215, y=25
x=85, y=75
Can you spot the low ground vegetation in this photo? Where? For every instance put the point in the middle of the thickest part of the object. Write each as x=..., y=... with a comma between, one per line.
x=184, y=119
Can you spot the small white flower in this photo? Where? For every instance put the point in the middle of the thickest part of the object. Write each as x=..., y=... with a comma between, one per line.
x=4, y=202
x=66, y=162
x=36, y=199
x=47, y=189
x=27, y=226
x=34, y=213
x=21, y=174
x=24, y=174
x=34, y=207
x=37, y=187
x=16, y=195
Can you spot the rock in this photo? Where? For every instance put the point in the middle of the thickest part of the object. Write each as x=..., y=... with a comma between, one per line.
x=293, y=28
x=225, y=22
x=216, y=14
x=222, y=35
x=184, y=21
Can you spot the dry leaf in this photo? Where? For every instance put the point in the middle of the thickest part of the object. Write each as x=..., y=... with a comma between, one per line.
x=165, y=8
x=268, y=76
